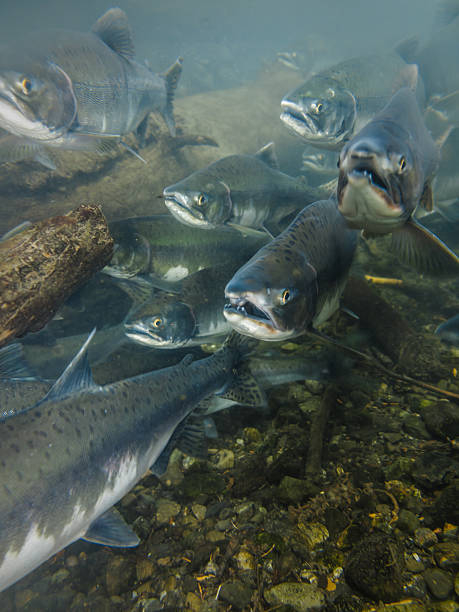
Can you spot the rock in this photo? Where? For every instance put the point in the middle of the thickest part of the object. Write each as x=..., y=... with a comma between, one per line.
x=407, y=605
x=313, y=534
x=293, y=490
x=225, y=459
x=375, y=566
x=456, y=584
x=414, y=426
x=301, y=597
x=251, y=435
x=118, y=575
x=236, y=593
x=144, y=569
x=424, y=537
x=439, y=582
x=414, y=563
x=245, y=560
x=447, y=555
x=199, y=511
x=445, y=606
x=59, y=576
x=193, y=602
x=442, y=419
x=446, y=506
x=407, y=521
x=165, y=510
x=415, y=586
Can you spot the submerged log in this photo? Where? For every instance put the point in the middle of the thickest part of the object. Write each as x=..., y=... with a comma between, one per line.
x=413, y=353
x=41, y=266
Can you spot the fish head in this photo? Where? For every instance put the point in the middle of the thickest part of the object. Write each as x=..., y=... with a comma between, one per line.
x=200, y=200
x=321, y=112
x=273, y=296
x=131, y=256
x=378, y=176
x=163, y=323
x=37, y=103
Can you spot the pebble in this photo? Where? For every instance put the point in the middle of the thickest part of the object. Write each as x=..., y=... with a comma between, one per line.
x=251, y=435
x=193, y=602
x=302, y=597
x=424, y=537
x=313, y=534
x=60, y=575
x=71, y=561
x=439, y=582
x=165, y=510
x=245, y=560
x=118, y=575
x=199, y=511
x=215, y=536
x=225, y=459
x=414, y=563
x=407, y=521
x=144, y=569
x=447, y=555
x=236, y=593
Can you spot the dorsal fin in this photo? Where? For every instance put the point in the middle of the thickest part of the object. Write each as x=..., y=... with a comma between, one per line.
x=267, y=154
x=76, y=377
x=114, y=29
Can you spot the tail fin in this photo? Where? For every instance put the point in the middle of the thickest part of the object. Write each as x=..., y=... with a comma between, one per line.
x=446, y=12
x=171, y=76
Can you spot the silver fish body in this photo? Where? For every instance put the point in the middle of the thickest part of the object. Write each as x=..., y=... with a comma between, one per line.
x=334, y=104
x=66, y=460
x=295, y=281
x=75, y=90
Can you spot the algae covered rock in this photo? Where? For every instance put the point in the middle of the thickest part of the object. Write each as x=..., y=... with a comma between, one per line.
x=375, y=567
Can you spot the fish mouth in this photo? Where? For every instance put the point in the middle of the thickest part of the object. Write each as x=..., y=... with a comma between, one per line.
x=179, y=206
x=313, y=128
x=369, y=200
x=250, y=319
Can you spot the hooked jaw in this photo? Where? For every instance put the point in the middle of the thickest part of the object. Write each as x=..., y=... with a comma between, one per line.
x=249, y=314
x=367, y=197
x=181, y=208
x=328, y=128
x=141, y=333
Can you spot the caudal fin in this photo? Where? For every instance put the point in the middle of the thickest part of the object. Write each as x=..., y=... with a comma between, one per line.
x=171, y=76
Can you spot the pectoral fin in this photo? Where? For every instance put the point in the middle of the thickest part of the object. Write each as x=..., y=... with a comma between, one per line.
x=111, y=530
x=244, y=389
x=418, y=247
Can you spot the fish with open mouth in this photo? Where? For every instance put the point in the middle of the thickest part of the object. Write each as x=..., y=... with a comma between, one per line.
x=294, y=283
x=334, y=104
x=385, y=174
x=242, y=191
x=67, y=459
x=78, y=91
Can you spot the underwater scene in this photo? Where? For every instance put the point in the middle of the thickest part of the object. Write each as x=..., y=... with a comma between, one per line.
x=229, y=306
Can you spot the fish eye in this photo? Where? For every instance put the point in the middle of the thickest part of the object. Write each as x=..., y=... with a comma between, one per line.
x=319, y=107
x=157, y=322
x=202, y=200
x=285, y=296
x=26, y=85
x=402, y=164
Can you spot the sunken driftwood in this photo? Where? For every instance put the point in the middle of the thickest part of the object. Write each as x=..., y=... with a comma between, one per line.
x=41, y=266
x=412, y=352
x=318, y=429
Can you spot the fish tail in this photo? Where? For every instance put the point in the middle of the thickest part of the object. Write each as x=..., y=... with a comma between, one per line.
x=171, y=76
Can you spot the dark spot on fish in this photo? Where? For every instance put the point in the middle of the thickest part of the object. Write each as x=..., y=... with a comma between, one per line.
x=19, y=476
x=30, y=443
x=91, y=429
x=10, y=427
x=15, y=447
x=124, y=394
x=38, y=413
x=8, y=492
x=43, y=434
x=80, y=409
x=3, y=463
x=78, y=432
x=58, y=429
x=67, y=450
x=47, y=455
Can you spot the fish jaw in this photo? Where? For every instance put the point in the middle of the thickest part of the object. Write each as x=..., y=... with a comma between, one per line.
x=14, y=120
x=368, y=193
x=250, y=314
x=328, y=128
x=181, y=208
